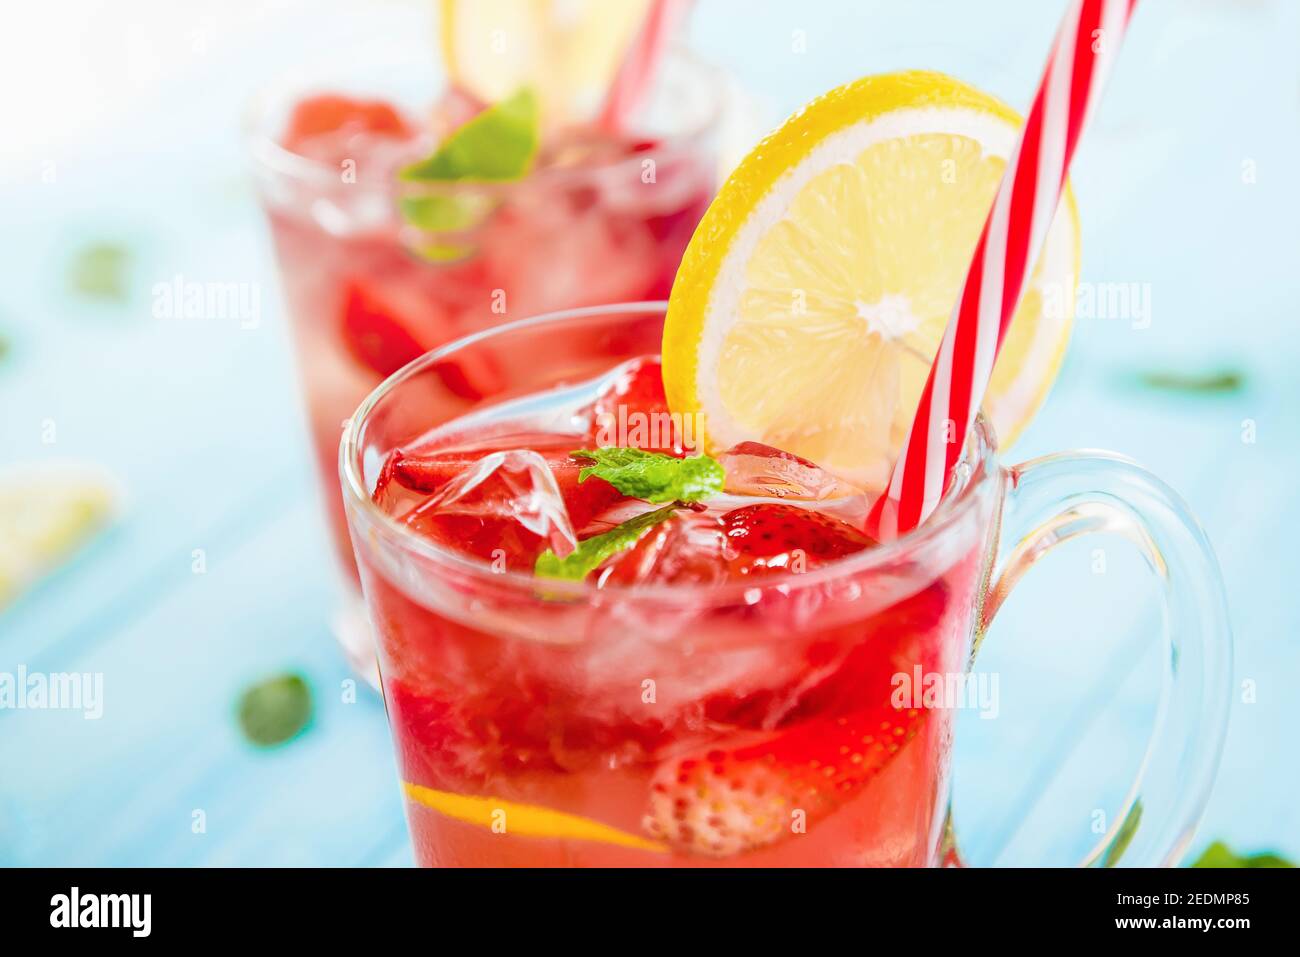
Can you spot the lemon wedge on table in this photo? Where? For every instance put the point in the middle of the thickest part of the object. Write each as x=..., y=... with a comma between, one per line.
x=566, y=50
x=46, y=514
x=815, y=292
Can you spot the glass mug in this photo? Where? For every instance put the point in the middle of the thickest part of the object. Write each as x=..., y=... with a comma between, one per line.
x=561, y=724
x=585, y=227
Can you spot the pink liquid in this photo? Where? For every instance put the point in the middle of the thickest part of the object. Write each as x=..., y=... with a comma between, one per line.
x=586, y=228
x=771, y=737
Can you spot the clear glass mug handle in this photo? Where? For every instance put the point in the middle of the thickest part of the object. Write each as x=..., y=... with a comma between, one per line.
x=1058, y=497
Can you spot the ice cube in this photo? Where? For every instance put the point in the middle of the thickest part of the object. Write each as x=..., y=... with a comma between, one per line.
x=506, y=507
x=421, y=474
x=756, y=469
x=690, y=548
x=546, y=257
x=584, y=147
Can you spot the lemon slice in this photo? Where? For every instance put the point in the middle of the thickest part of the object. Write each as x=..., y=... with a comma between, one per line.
x=816, y=289
x=525, y=820
x=566, y=50
x=46, y=513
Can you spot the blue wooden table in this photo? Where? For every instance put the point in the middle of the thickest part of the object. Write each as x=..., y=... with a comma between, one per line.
x=1187, y=187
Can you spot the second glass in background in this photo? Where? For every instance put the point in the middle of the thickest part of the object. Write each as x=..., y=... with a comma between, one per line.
x=600, y=218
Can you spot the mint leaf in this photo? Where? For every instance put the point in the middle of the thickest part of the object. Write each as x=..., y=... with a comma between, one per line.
x=592, y=553
x=654, y=476
x=440, y=214
x=445, y=213
x=98, y=271
x=1219, y=854
x=498, y=145
x=443, y=252
x=1225, y=380
x=275, y=710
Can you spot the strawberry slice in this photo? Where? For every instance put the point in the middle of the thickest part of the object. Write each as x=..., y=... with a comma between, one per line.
x=472, y=375
x=373, y=333
x=384, y=335
x=762, y=539
x=777, y=536
x=731, y=800
x=330, y=113
x=840, y=733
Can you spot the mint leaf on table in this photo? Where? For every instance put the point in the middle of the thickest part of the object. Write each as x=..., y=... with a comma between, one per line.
x=99, y=271
x=275, y=710
x=592, y=552
x=1219, y=854
x=654, y=476
x=1223, y=380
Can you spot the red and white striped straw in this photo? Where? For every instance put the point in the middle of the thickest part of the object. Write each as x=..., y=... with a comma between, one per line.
x=635, y=76
x=1081, y=58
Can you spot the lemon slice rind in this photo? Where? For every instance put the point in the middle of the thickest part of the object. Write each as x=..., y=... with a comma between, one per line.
x=833, y=130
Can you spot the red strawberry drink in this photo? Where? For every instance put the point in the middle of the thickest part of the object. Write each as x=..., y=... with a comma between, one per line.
x=600, y=646
x=383, y=258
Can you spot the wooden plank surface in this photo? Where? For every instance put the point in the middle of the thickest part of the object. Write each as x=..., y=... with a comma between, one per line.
x=200, y=424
